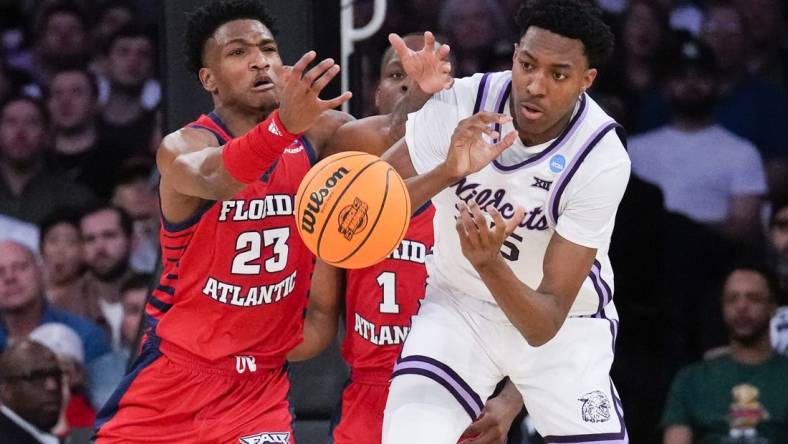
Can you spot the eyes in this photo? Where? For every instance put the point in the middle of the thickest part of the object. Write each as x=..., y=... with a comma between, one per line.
x=242, y=50
x=397, y=75
x=555, y=75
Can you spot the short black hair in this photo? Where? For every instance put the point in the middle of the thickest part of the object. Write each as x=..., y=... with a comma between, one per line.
x=575, y=19
x=136, y=281
x=758, y=267
x=35, y=101
x=203, y=22
x=130, y=31
x=126, y=222
x=60, y=215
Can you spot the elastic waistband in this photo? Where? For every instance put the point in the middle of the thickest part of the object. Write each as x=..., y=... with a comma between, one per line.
x=371, y=377
x=235, y=365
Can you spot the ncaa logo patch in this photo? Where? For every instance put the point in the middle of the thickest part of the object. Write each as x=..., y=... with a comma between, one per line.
x=557, y=163
x=267, y=438
x=596, y=407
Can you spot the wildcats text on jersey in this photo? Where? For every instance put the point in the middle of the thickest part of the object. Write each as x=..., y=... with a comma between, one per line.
x=256, y=209
x=466, y=191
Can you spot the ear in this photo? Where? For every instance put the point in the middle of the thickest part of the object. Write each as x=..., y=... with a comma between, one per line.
x=514, y=52
x=377, y=97
x=588, y=78
x=207, y=80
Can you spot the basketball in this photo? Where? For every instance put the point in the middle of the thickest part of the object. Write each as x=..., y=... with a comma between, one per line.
x=352, y=209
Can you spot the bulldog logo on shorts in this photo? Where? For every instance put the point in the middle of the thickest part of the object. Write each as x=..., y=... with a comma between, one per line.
x=596, y=407
x=267, y=438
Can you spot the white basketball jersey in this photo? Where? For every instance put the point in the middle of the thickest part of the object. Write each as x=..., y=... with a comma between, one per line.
x=572, y=185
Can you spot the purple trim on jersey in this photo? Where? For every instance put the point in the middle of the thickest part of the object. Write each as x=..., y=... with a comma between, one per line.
x=563, y=181
x=444, y=375
x=557, y=143
x=620, y=437
x=602, y=288
x=500, y=104
x=481, y=95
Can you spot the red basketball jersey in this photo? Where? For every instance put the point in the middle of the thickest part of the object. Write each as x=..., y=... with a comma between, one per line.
x=380, y=301
x=236, y=275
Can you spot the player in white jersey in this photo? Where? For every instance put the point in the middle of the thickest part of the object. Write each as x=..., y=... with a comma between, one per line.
x=531, y=296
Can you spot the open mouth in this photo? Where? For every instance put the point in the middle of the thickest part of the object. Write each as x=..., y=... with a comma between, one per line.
x=531, y=112
x=262, y=84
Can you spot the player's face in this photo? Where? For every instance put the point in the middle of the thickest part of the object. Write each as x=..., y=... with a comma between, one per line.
x=105, y=244
x=549, y=74
x=243, y=64
x=72, y=102
x=747, y=306
x=62, y=250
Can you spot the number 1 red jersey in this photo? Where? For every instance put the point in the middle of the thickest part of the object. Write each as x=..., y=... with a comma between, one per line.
x=380, y=301
x=236, y=275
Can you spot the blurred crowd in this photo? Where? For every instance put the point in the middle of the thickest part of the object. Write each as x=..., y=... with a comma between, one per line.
x=700, y=87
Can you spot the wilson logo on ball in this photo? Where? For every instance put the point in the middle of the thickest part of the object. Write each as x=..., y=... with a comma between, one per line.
x=317, y=198
x=353, y=218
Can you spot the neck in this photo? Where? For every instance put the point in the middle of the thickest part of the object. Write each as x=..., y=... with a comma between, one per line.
x=108, y=290
x=17, y=177
x=756, y=353
x=240, y=121
x=21, y=323
x=122, y=107
x=531, y=139
x=76, y=141
x=684, y=123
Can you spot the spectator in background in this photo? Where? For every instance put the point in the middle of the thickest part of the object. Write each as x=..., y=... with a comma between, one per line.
x=20, y=231
x=28, y=187
x=767, y=55
x=126, y=124
x=135, y=193
x=778, y=255
x=739, y=397
x=704, y=171
x=23, y=306
x=474, y=28
x=77, y=149
x=107, y=371
x=111, y=16
x=635, y=72
x=62, y=40
x=64, y=342
x=61, y=251
x=106, y=234
x=30, y=393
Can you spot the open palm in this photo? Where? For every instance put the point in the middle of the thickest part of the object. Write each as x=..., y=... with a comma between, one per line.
x=469, y=151
x=429, y=67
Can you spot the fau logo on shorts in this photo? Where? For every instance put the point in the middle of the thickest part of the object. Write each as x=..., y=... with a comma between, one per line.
x=267, y=438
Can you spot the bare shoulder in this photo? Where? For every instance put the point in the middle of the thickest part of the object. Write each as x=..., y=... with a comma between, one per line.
x=325, y=127
x=184, y=140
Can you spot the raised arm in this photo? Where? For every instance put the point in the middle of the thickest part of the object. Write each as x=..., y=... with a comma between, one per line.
x=194, y=167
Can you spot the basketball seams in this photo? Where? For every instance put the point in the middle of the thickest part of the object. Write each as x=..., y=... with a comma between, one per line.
x=305, y=185
x=336, y=202
x=374, y=224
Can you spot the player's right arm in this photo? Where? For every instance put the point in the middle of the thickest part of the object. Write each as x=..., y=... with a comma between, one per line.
x=677, y=434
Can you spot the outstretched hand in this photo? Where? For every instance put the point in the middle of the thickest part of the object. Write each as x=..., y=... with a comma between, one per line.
x=429, y=67
x=469, y=151
x=300, y=104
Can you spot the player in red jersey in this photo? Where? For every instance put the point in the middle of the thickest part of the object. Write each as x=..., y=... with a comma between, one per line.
x=380, y=300
x=230, y=301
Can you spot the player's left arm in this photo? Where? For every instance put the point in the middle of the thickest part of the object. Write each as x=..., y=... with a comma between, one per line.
x=325, y=129
x=322, y=316
x=492, y=426
x=583, y=227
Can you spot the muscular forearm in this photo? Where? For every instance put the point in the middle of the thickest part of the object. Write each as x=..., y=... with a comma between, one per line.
x=537, y=316
x=424, y=186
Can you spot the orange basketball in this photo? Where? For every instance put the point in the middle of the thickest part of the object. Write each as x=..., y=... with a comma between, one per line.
x=352, y=209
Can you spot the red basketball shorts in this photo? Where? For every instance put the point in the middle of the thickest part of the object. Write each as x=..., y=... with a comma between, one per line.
x=361, y=420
